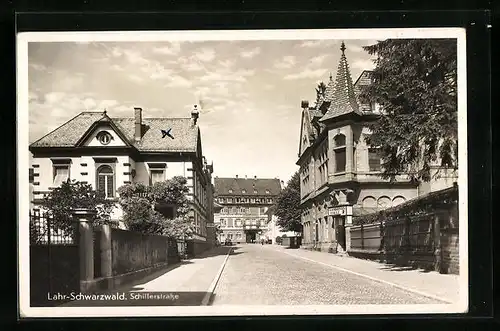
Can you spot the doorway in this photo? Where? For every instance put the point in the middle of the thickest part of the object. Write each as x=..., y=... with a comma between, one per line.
x=339, y=224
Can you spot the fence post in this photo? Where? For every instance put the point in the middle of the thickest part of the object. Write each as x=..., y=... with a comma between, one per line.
x=106, y=252
x=86, y=246
x=361, y=229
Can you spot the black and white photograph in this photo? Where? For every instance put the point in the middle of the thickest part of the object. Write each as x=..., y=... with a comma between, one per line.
x=249, y=172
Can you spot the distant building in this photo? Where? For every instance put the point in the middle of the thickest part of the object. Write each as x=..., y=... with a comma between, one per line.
x=273, y=230
x=244, y=202
x=110, y=152
x=339, y=171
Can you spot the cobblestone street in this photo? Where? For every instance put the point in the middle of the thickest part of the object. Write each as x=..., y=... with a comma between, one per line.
x=264, y=275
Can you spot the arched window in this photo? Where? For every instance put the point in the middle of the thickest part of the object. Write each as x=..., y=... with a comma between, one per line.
x=105, y=181
x=398, y=200
x=369, y=202
x=340, y=153
x=384, y=202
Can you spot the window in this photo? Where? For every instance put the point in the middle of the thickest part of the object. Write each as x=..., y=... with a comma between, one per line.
x=253, y=200
x=229, y=200
x=223, y=222
x=269, y=200
x=105, y=181
x=267, y=191
x=238, y=223
x=374, y=159
x=340, y=153
x=230, y=191
x=243, y=191
x=221, y=200
x=254, y=222
x=157, y=175
x=104, y=137
x=255, y=191
x=237, y=200
x=61, y=174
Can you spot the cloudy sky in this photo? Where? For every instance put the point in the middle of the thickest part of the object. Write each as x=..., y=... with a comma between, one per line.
x=249, y=91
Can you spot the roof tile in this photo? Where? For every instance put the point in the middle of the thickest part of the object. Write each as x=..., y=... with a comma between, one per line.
x=237, y=185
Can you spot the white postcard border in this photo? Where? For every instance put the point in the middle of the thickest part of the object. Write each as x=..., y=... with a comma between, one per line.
x=319, y=34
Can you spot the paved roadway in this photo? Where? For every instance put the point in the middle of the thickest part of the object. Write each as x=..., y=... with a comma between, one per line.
x=259, y=275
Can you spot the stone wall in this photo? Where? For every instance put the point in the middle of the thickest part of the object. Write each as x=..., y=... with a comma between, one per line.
x=132, y=251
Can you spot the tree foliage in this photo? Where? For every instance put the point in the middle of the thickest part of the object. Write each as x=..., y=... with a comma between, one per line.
x=138, y=202
x=288, y=208
x=415, y=82
x=62, y=200
x=320, y=91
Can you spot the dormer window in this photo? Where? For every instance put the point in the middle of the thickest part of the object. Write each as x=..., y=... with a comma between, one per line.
x=230, y=191
x=104, y=137
x=267, y=191
x=243, y=191
x=255, y=191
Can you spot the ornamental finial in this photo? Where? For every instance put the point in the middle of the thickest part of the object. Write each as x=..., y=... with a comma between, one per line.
x=342, y=47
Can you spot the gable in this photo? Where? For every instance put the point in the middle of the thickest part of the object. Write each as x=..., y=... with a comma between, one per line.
x=103, y=135
x=305, y=132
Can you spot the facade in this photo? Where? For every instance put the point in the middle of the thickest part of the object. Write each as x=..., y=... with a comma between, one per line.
x=244, y=203
x=273, y=230
x=110, y=152
x=339, y=172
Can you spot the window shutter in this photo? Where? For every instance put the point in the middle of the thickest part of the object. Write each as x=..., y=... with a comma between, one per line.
x=101, y=184
x=110, y=188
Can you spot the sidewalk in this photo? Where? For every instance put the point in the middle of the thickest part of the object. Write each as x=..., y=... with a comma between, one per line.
x=190, y=280
x=432, y=284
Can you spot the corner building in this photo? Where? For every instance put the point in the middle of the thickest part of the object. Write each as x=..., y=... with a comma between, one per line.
x=244, y=202
x=339, y=172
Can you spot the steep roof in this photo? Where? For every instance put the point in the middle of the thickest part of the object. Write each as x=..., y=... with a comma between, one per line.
x=185, y=134
x=343, y=98
x=237, y=185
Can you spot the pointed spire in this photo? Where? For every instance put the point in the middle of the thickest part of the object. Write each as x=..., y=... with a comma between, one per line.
x=343, y=99
x=342, y=48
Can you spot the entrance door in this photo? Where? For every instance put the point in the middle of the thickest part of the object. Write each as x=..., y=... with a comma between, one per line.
x=340, y=230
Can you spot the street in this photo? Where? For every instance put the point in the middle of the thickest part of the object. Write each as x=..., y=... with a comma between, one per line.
x=261, y=275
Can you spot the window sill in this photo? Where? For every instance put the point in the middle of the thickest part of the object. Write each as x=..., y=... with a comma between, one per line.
x=341, y=173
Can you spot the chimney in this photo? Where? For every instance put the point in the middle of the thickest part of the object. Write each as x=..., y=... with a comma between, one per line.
x=195, y=114
x=245, y=176
x=304, y=104
x=236, y=176
x=138, y=123
x=254, y=177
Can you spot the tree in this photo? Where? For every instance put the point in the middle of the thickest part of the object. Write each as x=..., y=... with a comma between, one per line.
x=288, y=208
x=320, y=91
x=415, y=82
x=62, y=200
x=138, y=202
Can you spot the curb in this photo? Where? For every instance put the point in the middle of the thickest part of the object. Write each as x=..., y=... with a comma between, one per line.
x=401, y=287
x=213, y=285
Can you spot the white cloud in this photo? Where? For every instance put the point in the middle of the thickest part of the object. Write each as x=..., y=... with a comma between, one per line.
x=117, y=67
x=178, y=81
x=222, y=76
x=362, y=64
x=248, y=54
x=205, y=55
x=318, y=60
x=307, y=73
x=286, y=62
x=107, y=104
x=227, y=63
x=135, y=78
x=311, y=43
x=54, y=97
x=193, y=66
x=172, y=49
x=37, y=66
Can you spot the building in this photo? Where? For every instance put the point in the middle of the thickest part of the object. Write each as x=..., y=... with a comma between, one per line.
x=110, y=152
x=244, y=202
x=339, y=172
x=273, y=230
